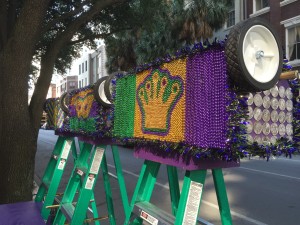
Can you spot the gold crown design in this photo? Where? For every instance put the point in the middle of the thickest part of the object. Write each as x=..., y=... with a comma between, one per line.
x=157, y=96
x=83, y=103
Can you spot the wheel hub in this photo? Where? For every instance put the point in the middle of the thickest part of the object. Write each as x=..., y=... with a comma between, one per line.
x=259, y=54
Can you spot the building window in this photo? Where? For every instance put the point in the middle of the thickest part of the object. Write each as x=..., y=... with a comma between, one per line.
x=72, y=84
x=85, y=81
x=260, y=4
x=82, y=68
x=293, y=42
x=79, y=69
x=79, y=84
x=85, y=65
x=231, y=15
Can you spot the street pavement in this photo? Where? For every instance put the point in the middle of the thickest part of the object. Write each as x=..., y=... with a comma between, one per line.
x=259, y=192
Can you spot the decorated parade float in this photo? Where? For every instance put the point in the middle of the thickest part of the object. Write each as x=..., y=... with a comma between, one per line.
x=204, y=107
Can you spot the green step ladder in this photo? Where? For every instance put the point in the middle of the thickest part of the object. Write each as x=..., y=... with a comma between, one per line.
x=185, y=205
x=53, y=173
x=47, y=191
x=86, y=169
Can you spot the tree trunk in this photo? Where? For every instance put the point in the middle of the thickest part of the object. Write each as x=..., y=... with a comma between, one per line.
x=17, y=135
x=42, y=86
x=17, y=141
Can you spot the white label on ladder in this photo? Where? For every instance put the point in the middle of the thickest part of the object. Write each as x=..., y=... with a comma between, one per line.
x=97, y=160
x=61, y=164
x=66, y=150
x=192, y=204
x=150, y=219
x=90, y=181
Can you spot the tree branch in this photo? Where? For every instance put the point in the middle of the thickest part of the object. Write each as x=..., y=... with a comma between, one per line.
x=95, y=36
x=64, y=16
x=40, y=91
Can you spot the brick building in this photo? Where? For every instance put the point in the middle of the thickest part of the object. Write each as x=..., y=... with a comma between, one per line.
x=285, y=18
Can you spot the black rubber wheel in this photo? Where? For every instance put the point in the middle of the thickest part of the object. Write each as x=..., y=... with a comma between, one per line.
x=99, y=93
x=108, y=88
x=64, y=102
x=254, y=55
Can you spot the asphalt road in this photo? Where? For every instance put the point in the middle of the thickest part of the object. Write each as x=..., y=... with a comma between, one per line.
x=259, y=192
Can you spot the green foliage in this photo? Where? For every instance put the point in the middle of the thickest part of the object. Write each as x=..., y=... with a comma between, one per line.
x=161, y=27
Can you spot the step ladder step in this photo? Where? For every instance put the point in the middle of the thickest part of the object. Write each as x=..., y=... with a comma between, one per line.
x=68, y=210
x=81, y=170
x=152, y=214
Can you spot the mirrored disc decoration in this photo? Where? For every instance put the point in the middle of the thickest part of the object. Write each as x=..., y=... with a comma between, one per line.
x=258, y=127
x=250, y=99
x=289, y=105
x=281, y=117
x=273, y=139
x=257, y=114
x=274, y=129
x=290, y=138
x=281, y=104
x=250, y=138
x=258, y=101
x=289, y=117
x=281, y=130
x=267, y=92
x=249, y=127
x=281, y=91
x=266, y=115
x=250, y=112
x=266, y=128
x=289, y=129
x=274, y=91
x=266, y=102
x=266, y=140
x=271, y=114
x=274, y=116
x=274, y=103
x=258, y=140
x=288, y=93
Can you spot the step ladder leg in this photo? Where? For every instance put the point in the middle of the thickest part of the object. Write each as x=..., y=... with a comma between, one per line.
x=190, y=198
x=74, y=151
x=73, y=184
x=108, y=193
x=93, y=203
x=144, y=187
x=121, y=181
x=68, y=197
x=89, y=182
x=174, y=188
x=94, y=208
x=57, y=173
x=49, y=169
x=222, y=196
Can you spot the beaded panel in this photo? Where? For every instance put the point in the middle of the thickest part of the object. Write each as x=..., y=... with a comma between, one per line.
x=87, y=116
x=124, y=106
x=160, y=102
x=51, y=107
x=206, y=99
